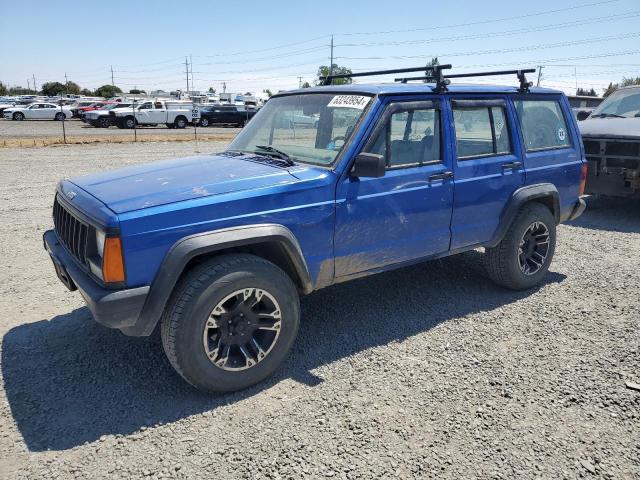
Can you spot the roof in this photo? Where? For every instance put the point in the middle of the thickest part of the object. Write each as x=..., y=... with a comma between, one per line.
x=397, y=88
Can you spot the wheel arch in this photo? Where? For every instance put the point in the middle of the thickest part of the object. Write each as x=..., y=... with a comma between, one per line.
x=272, y=242
x=544, y=193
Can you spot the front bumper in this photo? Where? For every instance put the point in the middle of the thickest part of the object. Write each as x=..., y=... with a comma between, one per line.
x=112, y=308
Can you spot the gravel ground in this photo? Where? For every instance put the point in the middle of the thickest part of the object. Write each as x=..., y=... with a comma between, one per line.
x=40, y=130
x=443, y=376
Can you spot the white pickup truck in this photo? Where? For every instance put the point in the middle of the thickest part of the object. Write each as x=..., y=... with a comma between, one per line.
x=153, y=112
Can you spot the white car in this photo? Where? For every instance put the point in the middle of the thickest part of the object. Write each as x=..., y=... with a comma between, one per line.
x=37, y=111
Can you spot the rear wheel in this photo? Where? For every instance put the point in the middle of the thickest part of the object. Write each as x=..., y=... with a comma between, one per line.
x=18, y=116
x=522, y=258
x=180, y=122
x=204, y=122
x=60, y=116
x=230, y=322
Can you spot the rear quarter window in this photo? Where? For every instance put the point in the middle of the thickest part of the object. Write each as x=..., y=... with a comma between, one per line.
x=542, y=123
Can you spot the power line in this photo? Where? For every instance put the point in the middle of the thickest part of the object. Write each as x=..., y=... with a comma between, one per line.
x=518, y=31
x=504, y=50
x=482, y=22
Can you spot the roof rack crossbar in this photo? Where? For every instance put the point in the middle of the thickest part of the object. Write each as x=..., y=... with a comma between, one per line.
x=328, y=80
x=524, y=84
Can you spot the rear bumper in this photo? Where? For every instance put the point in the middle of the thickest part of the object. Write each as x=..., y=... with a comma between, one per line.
x=118, y=309
x=575, y=211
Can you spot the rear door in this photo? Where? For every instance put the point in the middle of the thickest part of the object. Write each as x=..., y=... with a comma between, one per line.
x=488, y=166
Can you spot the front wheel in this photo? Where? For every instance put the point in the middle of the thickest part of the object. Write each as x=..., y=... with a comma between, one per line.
x=104, y=122
x=230, y=322
x=204, y=122
x=522, y=258
x=129, y=122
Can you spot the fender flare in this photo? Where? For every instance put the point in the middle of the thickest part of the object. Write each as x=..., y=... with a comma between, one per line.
x=539, y=191
x=188, y=248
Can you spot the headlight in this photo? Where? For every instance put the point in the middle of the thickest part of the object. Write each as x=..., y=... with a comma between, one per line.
x=100, y=238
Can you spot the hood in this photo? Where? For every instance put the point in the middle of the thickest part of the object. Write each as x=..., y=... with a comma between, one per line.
x=610, y=127
x=170, y=181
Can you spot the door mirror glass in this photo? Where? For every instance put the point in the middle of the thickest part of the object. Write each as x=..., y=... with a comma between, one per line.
x=583, y=115
x=369, y=165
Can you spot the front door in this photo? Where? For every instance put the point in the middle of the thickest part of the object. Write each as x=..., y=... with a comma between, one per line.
x=488, y=167
x=405, y=215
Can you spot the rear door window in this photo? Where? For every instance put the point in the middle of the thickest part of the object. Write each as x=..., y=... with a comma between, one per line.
x=543, y=125
x=480, y=130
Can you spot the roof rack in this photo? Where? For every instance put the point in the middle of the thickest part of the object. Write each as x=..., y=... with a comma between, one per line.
x=328, y=79
x=442, y=80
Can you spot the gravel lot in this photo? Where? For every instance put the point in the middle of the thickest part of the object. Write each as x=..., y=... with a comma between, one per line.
x=442, y=376
x=48, y=131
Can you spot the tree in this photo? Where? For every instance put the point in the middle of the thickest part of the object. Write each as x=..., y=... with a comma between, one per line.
x=248, y=94
x=586, y=93
x=267, y=92
x=212, y=90
x=136, y=91
x=72, y=87
x=21, y=91
x=324, y=70
x=627, y=82
x=610, y=89
x=86, y=92
x=52, y=89
x=429, y=70
x=107, y=91
x=306, y=85
x=3, y=89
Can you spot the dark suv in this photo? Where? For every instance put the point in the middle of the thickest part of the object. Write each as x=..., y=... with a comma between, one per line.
x=225, y=115
x=215, y=250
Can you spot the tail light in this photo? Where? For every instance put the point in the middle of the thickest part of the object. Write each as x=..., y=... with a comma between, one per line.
x=112, y=261
x=583, y=177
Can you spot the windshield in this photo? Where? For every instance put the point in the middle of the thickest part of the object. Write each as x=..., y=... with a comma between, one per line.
x=621, y=103
x=309, y=128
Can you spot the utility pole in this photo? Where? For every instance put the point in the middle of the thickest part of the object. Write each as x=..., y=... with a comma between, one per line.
x=299, y=82
x=331, y=63
x=66, y=82
x=28, y=84
x=186, y=69
x=112, y=84
x=193, y=84
x=34, y=83
x=224, y=87
x=575, y=74
x=540, y=67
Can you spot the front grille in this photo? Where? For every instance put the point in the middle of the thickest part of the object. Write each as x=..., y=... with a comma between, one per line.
x=72, y=232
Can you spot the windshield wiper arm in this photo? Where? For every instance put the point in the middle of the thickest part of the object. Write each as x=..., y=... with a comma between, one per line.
x=607, y=115
x=276, y=153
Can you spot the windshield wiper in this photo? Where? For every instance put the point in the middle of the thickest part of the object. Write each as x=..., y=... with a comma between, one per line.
x=276, y=153
x=607, y=115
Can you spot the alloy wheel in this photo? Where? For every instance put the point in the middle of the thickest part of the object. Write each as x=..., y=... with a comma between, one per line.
x=533, y=248
x=242, y=329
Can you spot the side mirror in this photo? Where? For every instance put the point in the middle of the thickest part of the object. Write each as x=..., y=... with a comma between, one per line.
x=368, y=165
x=583, y=115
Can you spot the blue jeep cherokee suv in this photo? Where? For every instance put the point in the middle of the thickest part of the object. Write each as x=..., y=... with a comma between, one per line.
x=216, y=249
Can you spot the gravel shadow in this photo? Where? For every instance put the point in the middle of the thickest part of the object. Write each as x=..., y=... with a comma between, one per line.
x=69, y=381
x=613, y=214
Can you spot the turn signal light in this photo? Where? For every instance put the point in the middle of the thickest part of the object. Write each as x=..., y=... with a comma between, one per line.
x=112, y=261
x=583, y=178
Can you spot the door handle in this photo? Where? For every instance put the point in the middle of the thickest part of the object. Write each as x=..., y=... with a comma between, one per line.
x=512, y=165
x=440, y=176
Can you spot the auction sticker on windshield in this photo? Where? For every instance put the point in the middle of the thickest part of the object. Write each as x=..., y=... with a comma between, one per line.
x=349, y=101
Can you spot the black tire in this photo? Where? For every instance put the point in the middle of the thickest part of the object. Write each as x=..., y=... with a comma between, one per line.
x=18, y=116
x=170, y=125
x=180, y=122
x=242, y=123
x=59, y=117
x=104, y=122
x=190, y=312
x=204, y=122
x=129, y=122
x=506, y=264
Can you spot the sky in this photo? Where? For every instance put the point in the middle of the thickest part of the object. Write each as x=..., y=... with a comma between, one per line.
x=278, y=44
